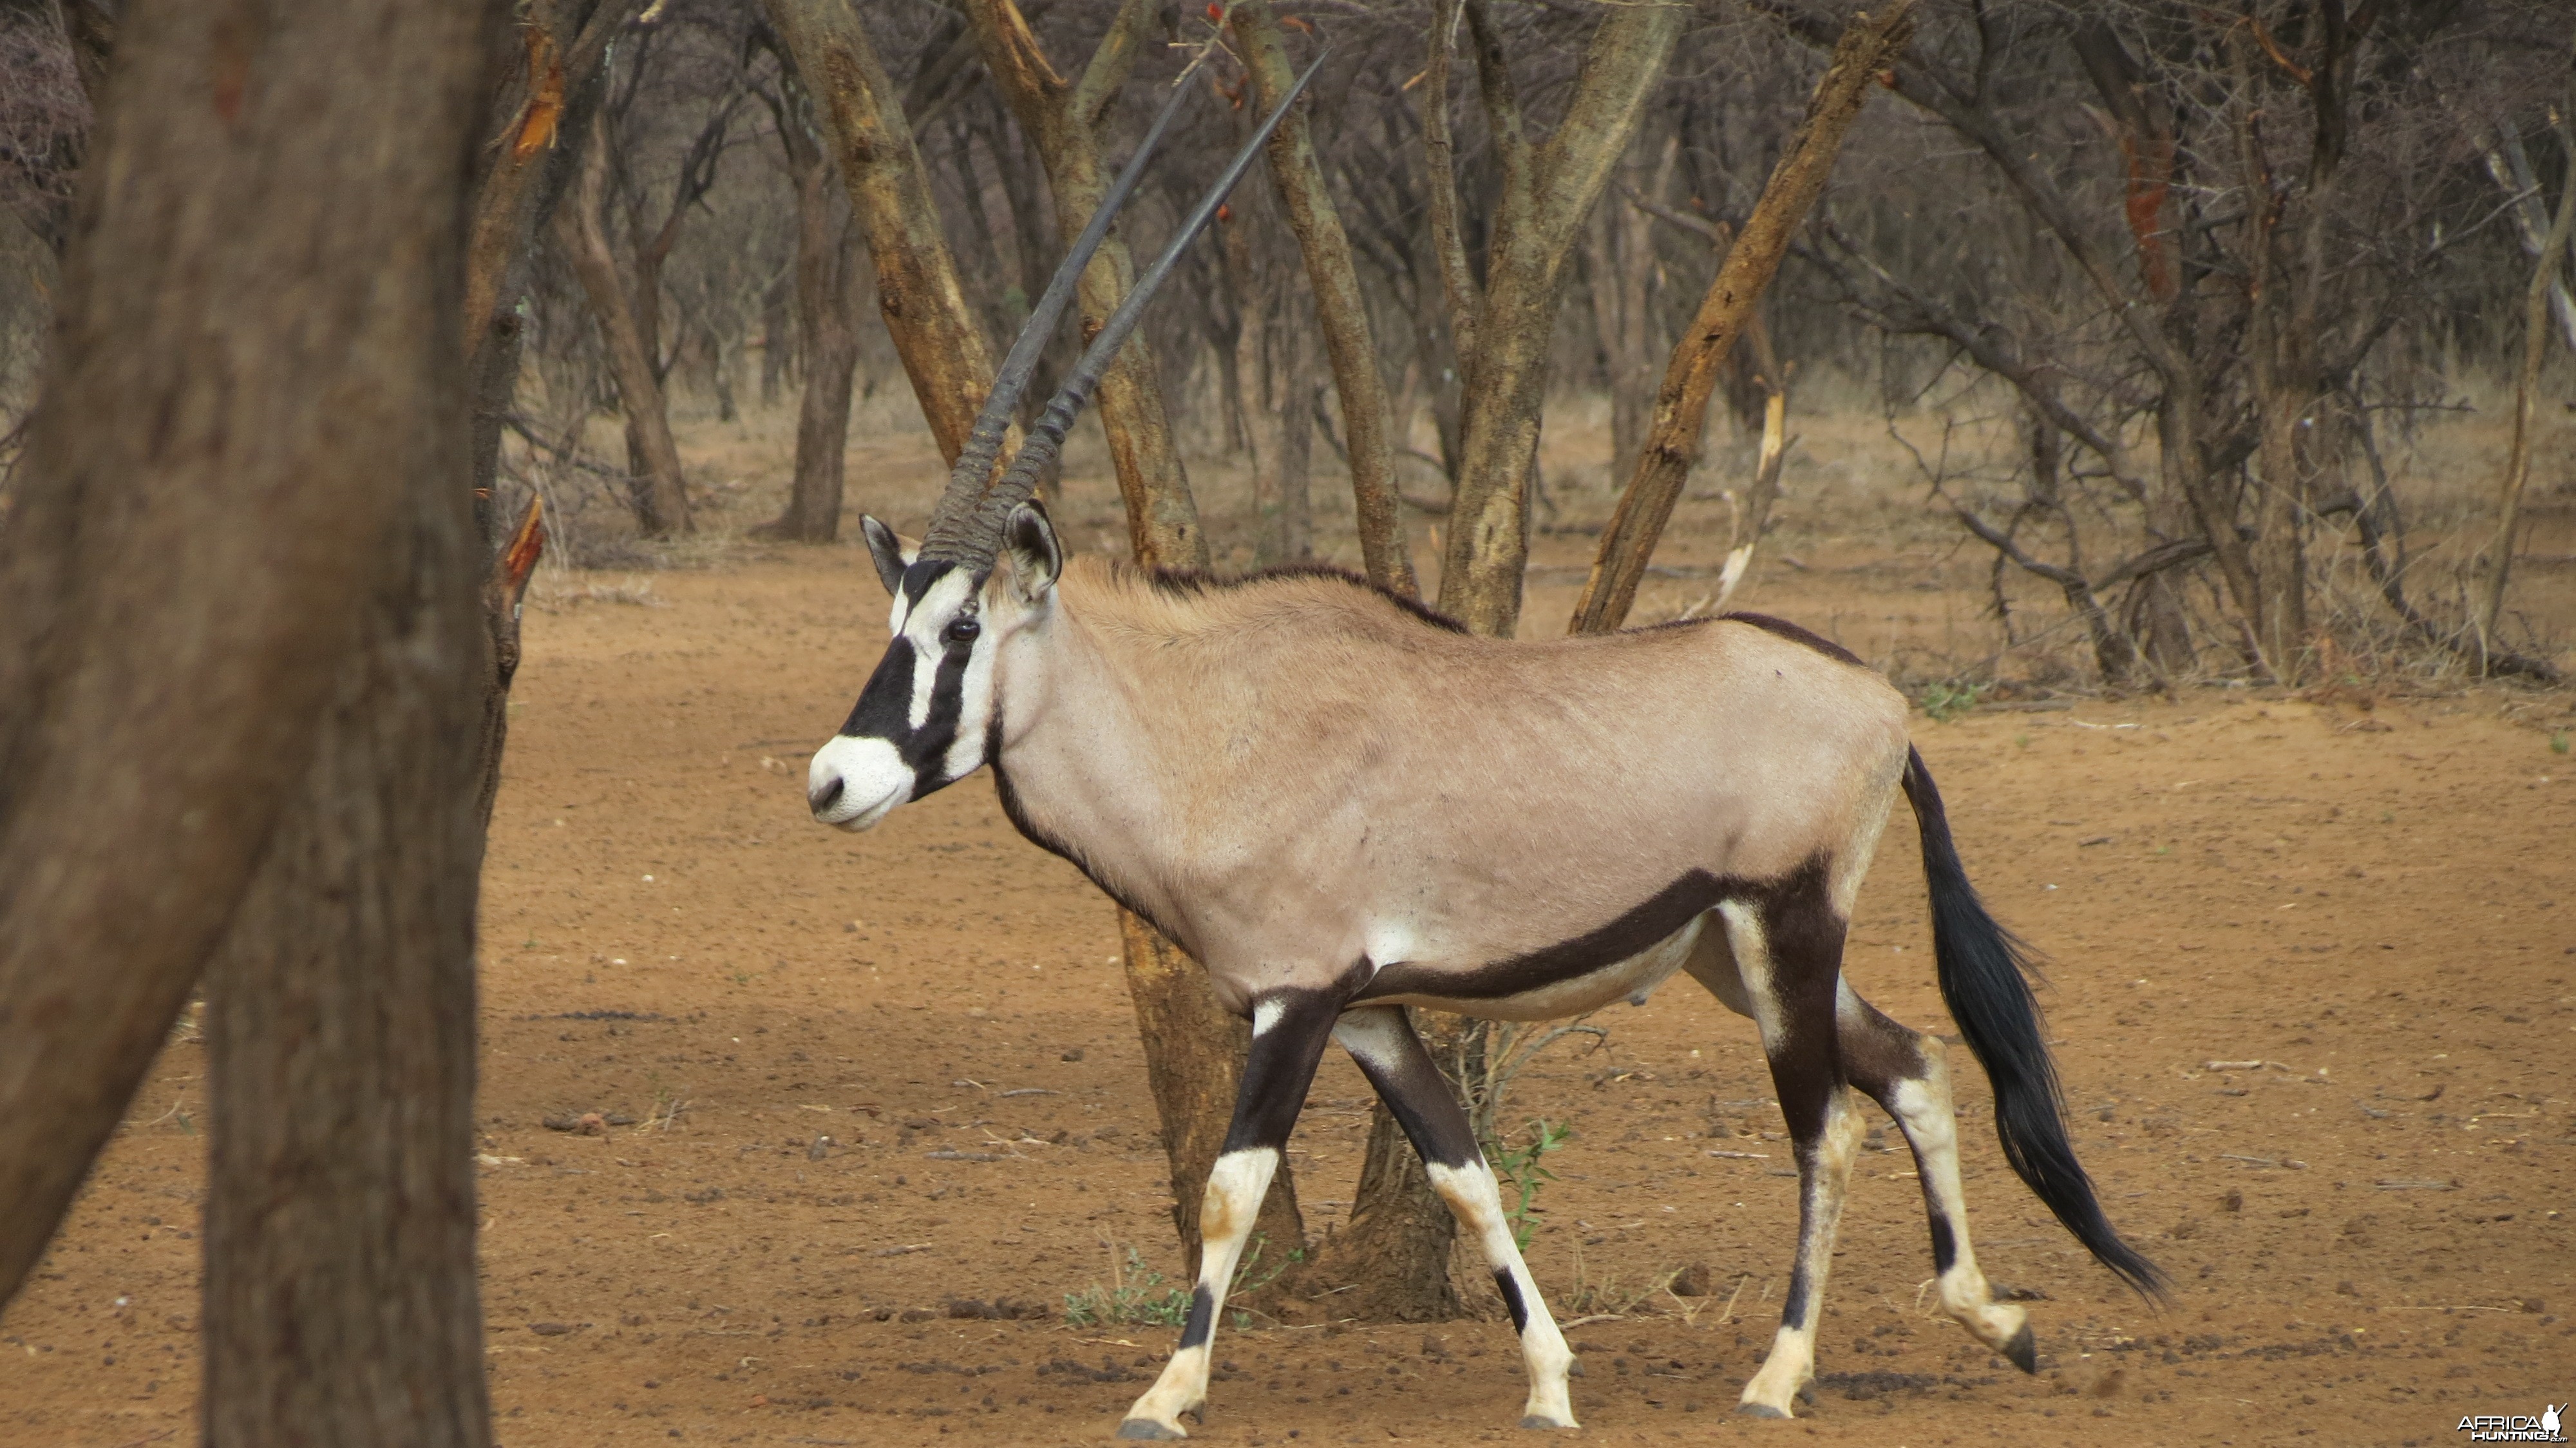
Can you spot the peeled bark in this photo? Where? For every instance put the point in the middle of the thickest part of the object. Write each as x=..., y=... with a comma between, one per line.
x=1681, y=406
x=180, y=605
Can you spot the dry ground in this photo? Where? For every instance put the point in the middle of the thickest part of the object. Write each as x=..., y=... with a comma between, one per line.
x=2371, y=902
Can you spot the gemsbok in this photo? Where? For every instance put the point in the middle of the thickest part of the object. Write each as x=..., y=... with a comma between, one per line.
x=1341, y=804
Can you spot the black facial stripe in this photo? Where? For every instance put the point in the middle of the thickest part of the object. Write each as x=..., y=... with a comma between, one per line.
x=884, y=710
x=927, y=748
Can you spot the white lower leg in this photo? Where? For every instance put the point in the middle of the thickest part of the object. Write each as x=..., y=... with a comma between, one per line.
x=1931, y=1127
x=1235, y=1187
x=1476, y=1198
x=1792, y=1361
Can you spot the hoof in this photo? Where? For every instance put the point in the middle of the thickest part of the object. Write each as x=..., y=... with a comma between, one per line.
x=1541, y=1420
x=2023, y=1350
x=1758, y=1410
x=1148, y=1429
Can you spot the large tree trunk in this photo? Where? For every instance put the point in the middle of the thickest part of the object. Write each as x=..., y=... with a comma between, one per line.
x=1681, y=406
x=1548, y=193
x=340, y=1298
x=925, y=310
x=655, y=490
x=180, y=605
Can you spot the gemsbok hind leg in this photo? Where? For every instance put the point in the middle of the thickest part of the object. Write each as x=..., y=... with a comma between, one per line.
x=1788, y=955
x=1382, y=1041
x=1289, y=1030
x=1907, y=1073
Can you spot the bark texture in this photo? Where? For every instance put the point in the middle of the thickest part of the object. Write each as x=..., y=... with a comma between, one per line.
x=180, y=603
x=341, y=1305
x=1681, y=404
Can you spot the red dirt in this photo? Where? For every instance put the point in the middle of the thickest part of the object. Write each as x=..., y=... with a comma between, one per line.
x=2365, y=1229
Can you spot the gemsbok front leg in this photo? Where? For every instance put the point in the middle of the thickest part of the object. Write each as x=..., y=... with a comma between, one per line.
x=1382, y=1041
x=1289, y=1029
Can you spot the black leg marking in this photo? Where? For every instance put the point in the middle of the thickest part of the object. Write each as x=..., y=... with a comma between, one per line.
x=1945, y=1248
x=1511, y=1291
x=1793, y=1312
x=1202, y=1319
x=1404, y=1076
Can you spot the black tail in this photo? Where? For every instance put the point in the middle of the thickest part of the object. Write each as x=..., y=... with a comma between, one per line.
x=1981, y=968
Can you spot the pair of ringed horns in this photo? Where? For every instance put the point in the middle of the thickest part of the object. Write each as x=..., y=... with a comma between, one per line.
x=967, y=525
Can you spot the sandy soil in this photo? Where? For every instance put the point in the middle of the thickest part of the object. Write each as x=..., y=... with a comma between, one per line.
x=905, y=1076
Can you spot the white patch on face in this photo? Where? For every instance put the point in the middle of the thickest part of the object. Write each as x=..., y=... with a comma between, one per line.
x=922, y=626
x=974, y=710
x=873, y=781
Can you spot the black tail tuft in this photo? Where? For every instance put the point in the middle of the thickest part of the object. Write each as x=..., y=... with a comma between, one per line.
x=1981, y=967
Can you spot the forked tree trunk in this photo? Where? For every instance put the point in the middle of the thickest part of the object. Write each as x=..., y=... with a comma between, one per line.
x=2526, y=383
x=183, y=608
x=654, y=489
x=1548, y=192
x=1681, y=406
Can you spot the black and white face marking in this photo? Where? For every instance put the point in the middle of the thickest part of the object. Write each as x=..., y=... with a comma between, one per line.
x=919, y=723
x=923, y=719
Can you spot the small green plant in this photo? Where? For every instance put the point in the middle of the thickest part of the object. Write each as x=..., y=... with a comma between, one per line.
x=1519, y=1167
x=2558, y=742
x=1945, y=702
x=2021, y=741
x=1135, y=1297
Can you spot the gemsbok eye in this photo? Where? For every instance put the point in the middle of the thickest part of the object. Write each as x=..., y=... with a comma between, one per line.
x=962, y=631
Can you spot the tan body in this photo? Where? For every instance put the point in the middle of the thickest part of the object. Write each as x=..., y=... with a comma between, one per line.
x=1296, y=775
x=1341, y=806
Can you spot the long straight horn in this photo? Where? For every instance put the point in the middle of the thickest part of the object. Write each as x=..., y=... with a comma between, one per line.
x=984, y=532
x=974, y=466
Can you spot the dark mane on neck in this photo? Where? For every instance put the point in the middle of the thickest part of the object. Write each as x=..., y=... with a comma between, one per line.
x=1191, y=582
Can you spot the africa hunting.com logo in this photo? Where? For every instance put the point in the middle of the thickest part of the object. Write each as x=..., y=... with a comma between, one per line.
x=2516, y=1427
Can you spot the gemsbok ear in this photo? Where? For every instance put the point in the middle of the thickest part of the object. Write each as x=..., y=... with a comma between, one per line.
x=1036, y=558
x=893, y=552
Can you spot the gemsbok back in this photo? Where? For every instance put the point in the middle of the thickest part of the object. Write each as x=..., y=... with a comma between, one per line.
x=1342, y=805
